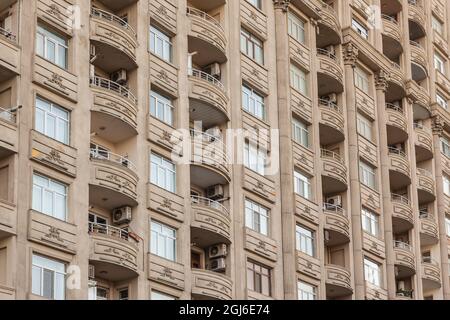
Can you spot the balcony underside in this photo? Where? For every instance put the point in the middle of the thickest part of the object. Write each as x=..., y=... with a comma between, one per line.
x=207, y=5
x=401, y=224
x=214, y=54
x=404, y=271
x=423, y=154
x=330, y=135
x=421, y=112
x=336, y=238
x=111, y=59
x=398, y=179
x=6, y=74
x=205, y=176
x=391, y=47
x=108, y=198
x=395, y=91
x=328, y=84
x=396, y=134
x=327, y=36
x=419, y=73
x=110, y=127
x=331, y=185
x=116, y=5
x=204, y=238
x=209, y=115
x=112, y=272
x=335, y=291
x=5, y=4
x=416, y=30
x=391, y=7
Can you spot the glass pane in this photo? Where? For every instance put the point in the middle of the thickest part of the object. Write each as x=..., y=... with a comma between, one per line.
x=36, y=280
x=37, y=198
x=47, y=286
x=59, y=286
x=51, y=51
x=47, y=206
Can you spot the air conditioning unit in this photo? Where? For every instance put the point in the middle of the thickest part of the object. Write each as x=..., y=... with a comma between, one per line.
x=217, y=264
x=326, y=236
x=119, y=77
x=91, y=272
x=215, y=192
x=334, y=201
x=122, y=215
x=214, y=133
x=218, y=250
x=214, y=70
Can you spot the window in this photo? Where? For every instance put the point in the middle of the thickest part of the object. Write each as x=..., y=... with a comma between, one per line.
x=298, y=80
x=364, y=126
x=48, y=278
x=439, y=63
x=370, y=222
x=296, y=28
x=360, y=29
x=305, y=239
x=123, y=294
x=252, y=46
x=367, y=175
x=445, y=146
x=447, y=226
x=163, y=241
x=306, y=291
x=49, y=197
x=437, y=25
x=255, y=3
x=300, y=133
x=162, y=172
x=161, y=108
x=156, y=295
x=372, y=272
x=441, y=101
x=254, y=157
x=51, y=46
x=258, y=278
x=256, y=217
x=362, y=80
x=446, y=185
x=160, y=44
x=52, y=120
x=253, y=103
x=302, y=185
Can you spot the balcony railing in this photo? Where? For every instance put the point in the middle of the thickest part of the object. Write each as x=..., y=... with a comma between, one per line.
x=402, y=245
x=108, y=230
x=197, y=200
x=426, y=215
x=324, y=153
x=397, y=151
x=327, y=53
x=113, y=86
x=389, y=18
x=430, y=261
x=104, y=15
x=405, y=293
x=400, y=199
x=203, y=15
x=329, y=104
x=7, y=34
x=7, y=115
x=211, y=140
x=334, y=208
x=416, y=44
x=109, y=156
x=394, y=107
x=206, y=77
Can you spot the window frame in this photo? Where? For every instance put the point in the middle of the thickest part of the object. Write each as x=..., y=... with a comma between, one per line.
x=155, y=176
x=306, y=181
x=299, y=130
x=252, y=44
x=301, y=293
x=360, y=28
x=367, y=171
x=439, y=62
x=168, y=108
x=252, y=151
x=53, y=270
x=155, y=34
x=364, y=126
x=252, y=99
x=297, y=28
x=305, y=240
x=257, y=214
x=49, y=35
x=370, y=222
x=372, y=272
x=254, y=275
x=168, y=240
x=54, y=193
x=49, y=113
x=298, y=80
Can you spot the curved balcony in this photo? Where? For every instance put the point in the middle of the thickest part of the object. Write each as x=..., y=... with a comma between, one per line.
x=206, y=34
x=404, y=295
x=208, y=101
x=397, y=127
x=421, y=100
x=423, y=142
x=396, y=80
x=419, y=65
x=209, y=159
x=334, y=172
x=416, y=19
x=117, y=5
x=429, y=233
x=426, y=191
x=9, y=133
x=211, y=222
x=338, y=281
x=399, y=169
x=330, y=28
x=113, y=252
x=115, y=41
x=337, y=224
x=331, y=122
x=114, y=112
x=431, y=274
x=392, y=37
x=208, y=285
x=329, y=73
x=10, y=61
x=404, y=260
x=113, y=180
x=375, y=292
x=402, y=213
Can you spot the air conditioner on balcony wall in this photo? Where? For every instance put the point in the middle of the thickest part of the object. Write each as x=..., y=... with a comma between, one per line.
x=122, y=215
x=334, y=201
x=119, y=77
x=218, y=250
x=217, y=264
x=215, y=192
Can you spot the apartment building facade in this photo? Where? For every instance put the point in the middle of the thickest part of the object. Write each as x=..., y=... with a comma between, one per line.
x=252, y=149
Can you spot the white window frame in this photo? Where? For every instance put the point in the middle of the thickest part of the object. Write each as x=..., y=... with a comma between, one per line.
x=364, y=126
x=158, y=295
x=163, y=172
x=302, y=185
x=252, y=47
x=445, y=146
x=254, y=157
x=256, y=217
x=48, y=112
x=360, y=29
x=256, y=3
x=305, y=239
x=161, y=108
x=49, y=190
x=162, y=238
x=439, y=63
x=165, y=52
x=446, y=184
x=372, y=272
x=300, y=133
x=362, y=80
x=437, y=25
x=370, y=222
x=253, y=102
x=367, y=175
x=441, y=101
x=296, y=28
x=41, y=265
x=299, y=80
x=306, y=291
x=46, y=36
